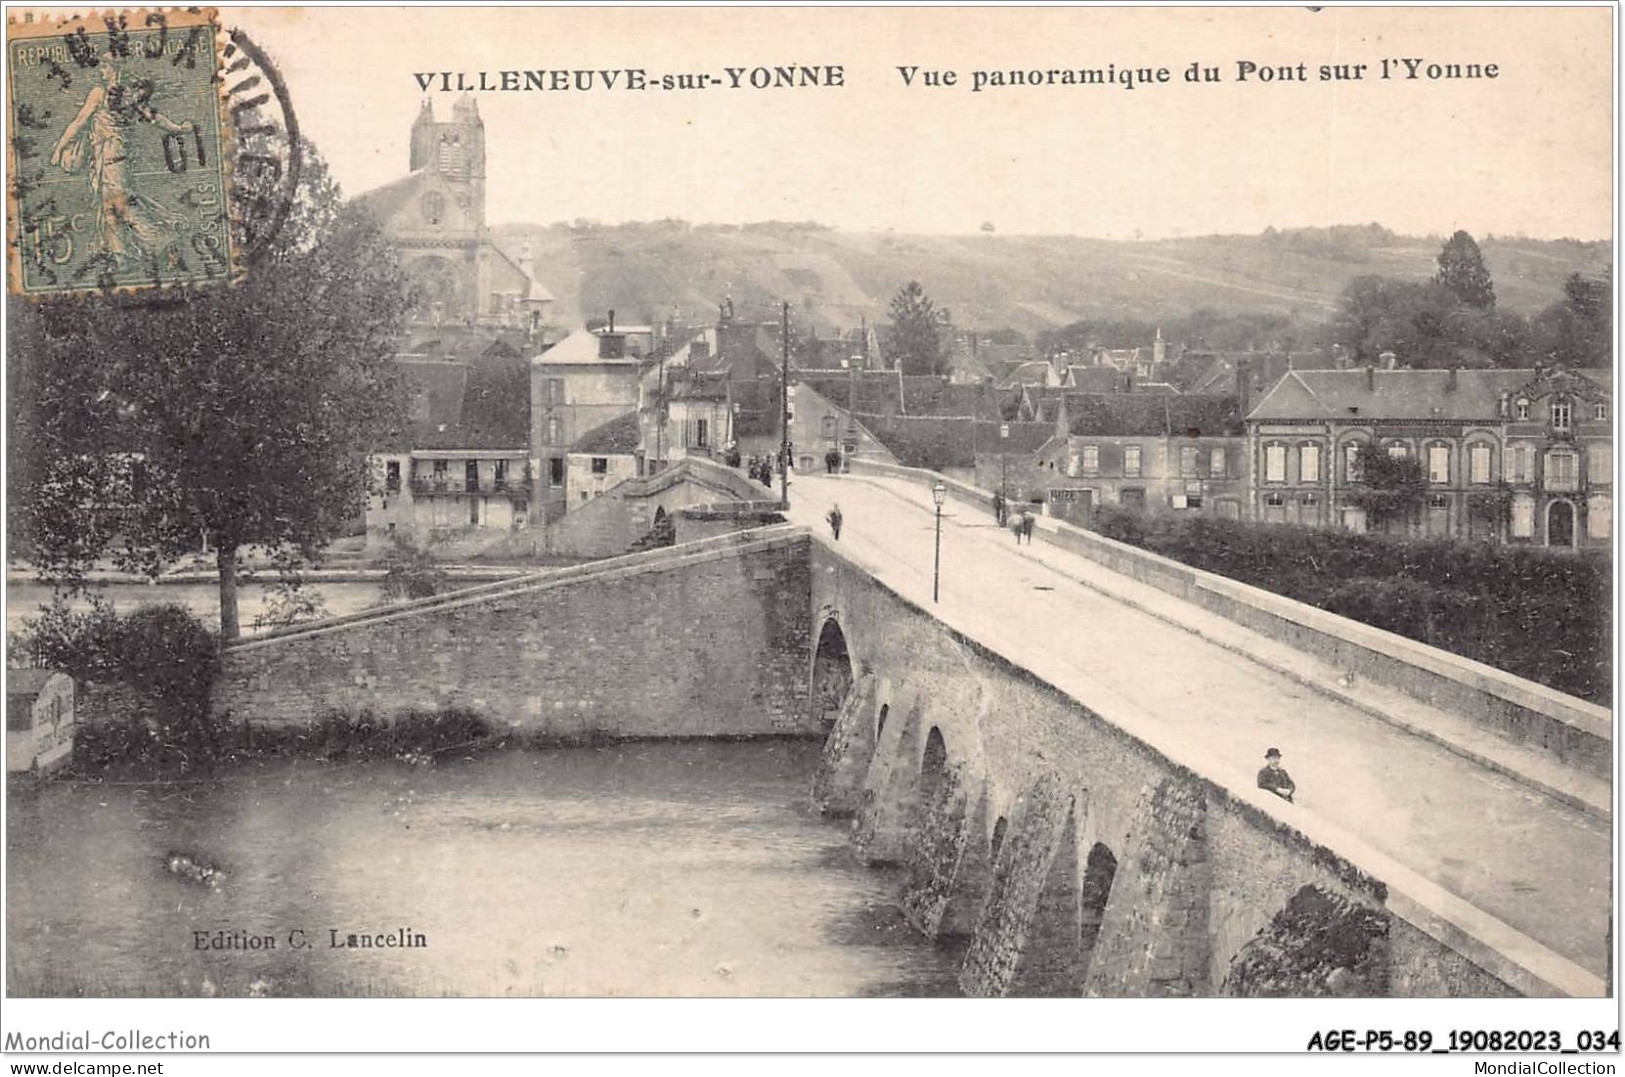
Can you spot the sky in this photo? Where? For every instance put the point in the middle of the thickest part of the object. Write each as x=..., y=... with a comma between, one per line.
x=1527, y=152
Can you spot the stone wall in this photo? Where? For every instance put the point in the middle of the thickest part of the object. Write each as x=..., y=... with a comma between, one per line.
x=1119, y=872
x=681, y=642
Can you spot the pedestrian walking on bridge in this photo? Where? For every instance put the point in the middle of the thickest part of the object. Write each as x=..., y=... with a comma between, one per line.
x=834, y=519
x=1026, y=527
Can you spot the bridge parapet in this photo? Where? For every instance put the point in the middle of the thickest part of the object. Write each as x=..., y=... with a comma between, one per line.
x=1571, y=731
x=704, y=639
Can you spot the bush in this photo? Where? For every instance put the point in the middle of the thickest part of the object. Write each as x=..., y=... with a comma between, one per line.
x=410, y=572
x=83, y=645
x=1535, y=613
x=168, y=655
x=287, y=604
x=162, y=662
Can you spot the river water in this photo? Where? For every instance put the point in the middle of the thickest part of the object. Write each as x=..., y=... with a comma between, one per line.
x=641, y=869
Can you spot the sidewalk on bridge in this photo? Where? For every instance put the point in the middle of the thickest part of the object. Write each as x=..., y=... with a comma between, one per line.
x=1528, y=766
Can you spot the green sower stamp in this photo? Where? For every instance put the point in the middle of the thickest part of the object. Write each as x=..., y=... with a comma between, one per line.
x=117, y=165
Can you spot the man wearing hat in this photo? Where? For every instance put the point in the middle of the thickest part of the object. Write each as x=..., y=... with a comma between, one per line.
x=1274, y=776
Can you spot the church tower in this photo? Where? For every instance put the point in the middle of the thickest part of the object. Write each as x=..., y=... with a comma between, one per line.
x=454, y=149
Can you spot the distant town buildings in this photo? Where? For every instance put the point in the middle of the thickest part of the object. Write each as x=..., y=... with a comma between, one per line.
x=515, y=424
x=1146, y=452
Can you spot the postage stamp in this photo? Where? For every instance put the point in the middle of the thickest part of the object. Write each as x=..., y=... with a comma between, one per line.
x=119, y=163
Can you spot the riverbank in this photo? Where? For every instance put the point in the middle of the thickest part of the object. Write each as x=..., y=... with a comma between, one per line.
x=124, y=752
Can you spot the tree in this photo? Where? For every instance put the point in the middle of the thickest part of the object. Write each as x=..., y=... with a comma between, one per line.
x=1426, y=324
x=1577, y=330
x=1462, y=270
x=241, y=415
x=918, y=331
x=1390, y=488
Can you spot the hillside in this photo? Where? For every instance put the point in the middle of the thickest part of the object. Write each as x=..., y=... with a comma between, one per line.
x=643, y=270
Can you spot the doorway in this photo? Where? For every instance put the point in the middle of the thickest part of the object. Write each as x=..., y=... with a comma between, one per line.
x=1560, y=524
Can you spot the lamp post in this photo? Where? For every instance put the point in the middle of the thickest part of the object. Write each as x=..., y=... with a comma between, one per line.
x=1004, y=462
x=939, y=494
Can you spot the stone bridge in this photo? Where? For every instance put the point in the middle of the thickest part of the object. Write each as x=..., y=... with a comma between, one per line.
x=1057, y=757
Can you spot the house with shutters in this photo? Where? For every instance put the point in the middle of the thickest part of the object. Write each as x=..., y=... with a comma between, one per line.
x=587, y=379
x=459, y=466
x=1518, y=455
x=1145, y=452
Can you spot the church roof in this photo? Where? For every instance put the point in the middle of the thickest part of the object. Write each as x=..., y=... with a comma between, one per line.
x=384, y=202
x=537, y=291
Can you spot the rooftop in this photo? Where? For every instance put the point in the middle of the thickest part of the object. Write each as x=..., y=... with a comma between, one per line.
x=582, y=348
x=1404, y=394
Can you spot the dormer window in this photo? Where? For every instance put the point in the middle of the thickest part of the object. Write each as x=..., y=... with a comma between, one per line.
x=1562, y=415
x=1522, y=409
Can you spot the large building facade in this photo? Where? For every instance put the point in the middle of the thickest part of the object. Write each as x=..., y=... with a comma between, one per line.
x=1522, y=456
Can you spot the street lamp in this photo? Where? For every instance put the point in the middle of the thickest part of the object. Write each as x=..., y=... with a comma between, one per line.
x=1004, y=461
x=939, y=494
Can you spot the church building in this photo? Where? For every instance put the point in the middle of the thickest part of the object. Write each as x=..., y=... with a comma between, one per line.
x=435, y=216
x=460, y=472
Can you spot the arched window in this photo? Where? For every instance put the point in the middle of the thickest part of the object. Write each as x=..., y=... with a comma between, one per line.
x=1352, y=471
x=1275, y=462
x=1480, y=463
x=1309, y=462
x=1438, y=463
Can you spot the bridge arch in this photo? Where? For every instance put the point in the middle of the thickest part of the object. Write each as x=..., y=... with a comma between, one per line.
x=832, y=673
x=1094, y=891
x=933, y=766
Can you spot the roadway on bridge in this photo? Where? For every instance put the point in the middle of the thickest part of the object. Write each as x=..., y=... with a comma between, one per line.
x=1537, y=864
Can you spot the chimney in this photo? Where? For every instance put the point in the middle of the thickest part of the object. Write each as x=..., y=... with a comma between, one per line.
x=1450, y=382
x=611, y=319
x=1370, y=378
